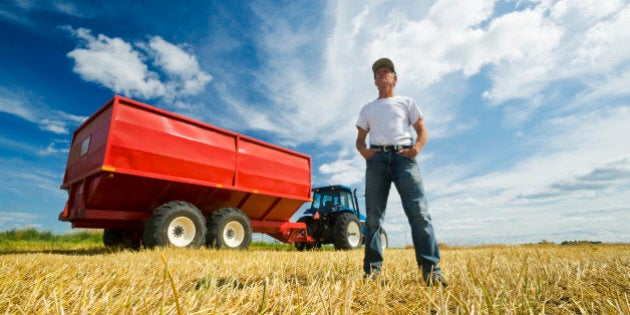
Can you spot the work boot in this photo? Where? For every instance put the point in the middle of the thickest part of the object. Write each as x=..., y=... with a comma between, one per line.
x=373, y=275
x=435, y=279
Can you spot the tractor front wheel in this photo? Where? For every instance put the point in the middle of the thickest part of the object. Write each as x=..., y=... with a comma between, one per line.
x=384, y=240
x=347, y=232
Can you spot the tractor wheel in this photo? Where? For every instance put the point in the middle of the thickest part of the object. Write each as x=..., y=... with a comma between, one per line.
x=175, y=223
x=384, y=240
x=229, y=228
x=310, y=229
x=303, y=246
x=347, y=232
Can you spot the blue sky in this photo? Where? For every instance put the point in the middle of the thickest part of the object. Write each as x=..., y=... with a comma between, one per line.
x=527, y=103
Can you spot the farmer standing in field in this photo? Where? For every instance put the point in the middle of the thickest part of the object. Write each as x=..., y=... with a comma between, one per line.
x=391, y=158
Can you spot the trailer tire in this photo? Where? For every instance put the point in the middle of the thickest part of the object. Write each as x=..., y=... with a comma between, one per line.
x=112, y=238
x=132, y=239
x=117, y=239
x=229, y=228
x=347, y=232
x=175, y=223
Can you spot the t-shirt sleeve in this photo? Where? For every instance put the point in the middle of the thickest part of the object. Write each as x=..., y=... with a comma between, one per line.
x=414, y=112
x=362, y=120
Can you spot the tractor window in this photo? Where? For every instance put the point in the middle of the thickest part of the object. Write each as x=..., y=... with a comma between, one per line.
x=326, y=200
x=329, y=200
x=317, y=201
x=346, y=198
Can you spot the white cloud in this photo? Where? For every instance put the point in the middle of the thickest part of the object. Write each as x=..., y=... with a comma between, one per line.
x=606, y=44
x=14, y=107
x=19, y=105
x=15, y=218
x=523, y=62
x=21, y=11
x=115, y=64
x=187, y=77
x=560, y=151
x=121, y=67
x=53, y=148
x=576, y=162
x=348, y=169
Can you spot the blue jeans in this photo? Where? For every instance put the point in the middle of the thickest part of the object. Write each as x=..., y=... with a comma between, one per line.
x=383, y=168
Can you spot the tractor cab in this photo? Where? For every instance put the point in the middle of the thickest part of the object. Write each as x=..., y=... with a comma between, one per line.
x=334, y=199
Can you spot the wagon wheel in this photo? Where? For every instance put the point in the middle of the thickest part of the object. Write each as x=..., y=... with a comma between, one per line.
x=229, y=228
x=112, y=238
x=132, y=239
x=176, y=223
x=347, y=232
x=122, y=239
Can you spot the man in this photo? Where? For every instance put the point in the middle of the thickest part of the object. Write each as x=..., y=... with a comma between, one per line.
x=391, y=158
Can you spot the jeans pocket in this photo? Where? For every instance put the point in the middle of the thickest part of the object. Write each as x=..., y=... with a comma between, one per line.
x=371, y=157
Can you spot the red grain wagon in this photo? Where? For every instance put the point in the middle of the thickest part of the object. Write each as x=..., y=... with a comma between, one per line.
x=146, y=175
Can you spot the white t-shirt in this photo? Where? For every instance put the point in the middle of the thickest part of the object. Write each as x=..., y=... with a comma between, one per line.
x=388, y=119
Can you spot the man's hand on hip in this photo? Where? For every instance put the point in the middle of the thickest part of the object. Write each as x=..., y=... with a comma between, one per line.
x=410, y=153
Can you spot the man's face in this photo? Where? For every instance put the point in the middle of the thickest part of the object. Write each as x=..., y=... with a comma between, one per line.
x=385, y=76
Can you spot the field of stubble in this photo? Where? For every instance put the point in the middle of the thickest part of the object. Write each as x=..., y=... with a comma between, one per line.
x=528, y=279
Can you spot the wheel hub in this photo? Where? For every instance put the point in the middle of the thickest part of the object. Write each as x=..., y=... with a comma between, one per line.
x=234, y=234
x=181, y=231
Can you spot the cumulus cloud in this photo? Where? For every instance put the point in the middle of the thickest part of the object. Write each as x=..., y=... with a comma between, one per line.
x=605, y=44
x=348, y=169
x=186, y=76
x=123, y=68
x=115, y=64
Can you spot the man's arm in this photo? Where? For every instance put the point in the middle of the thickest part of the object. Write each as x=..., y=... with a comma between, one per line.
x=421, y=140
x=362, y=146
